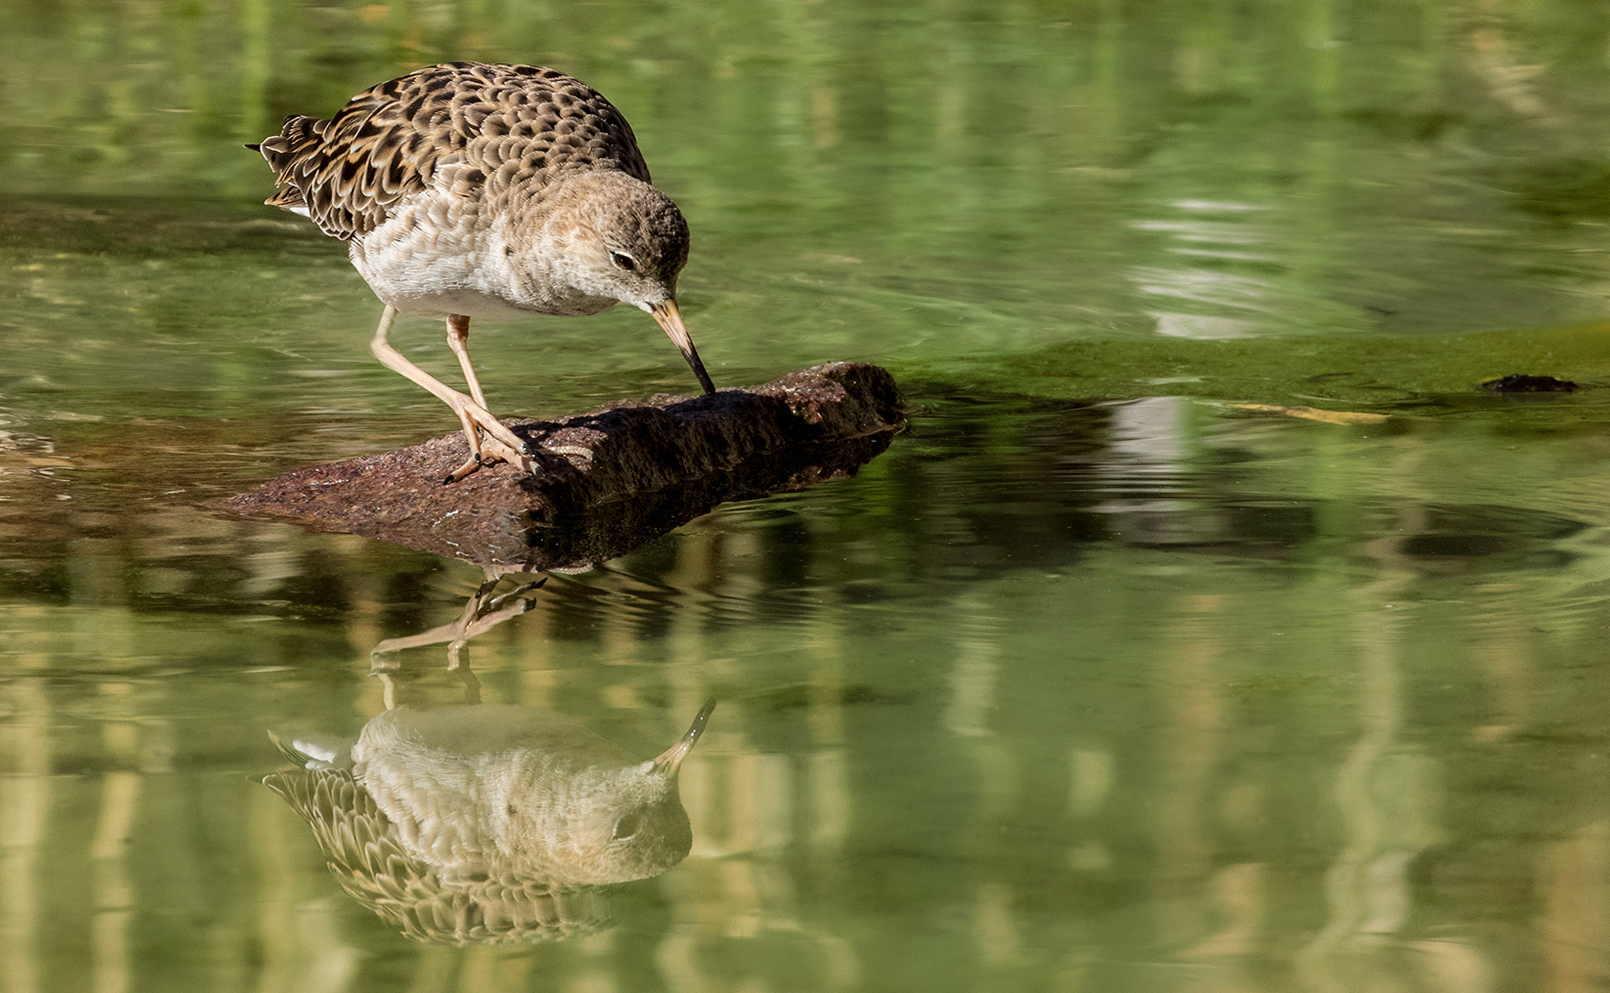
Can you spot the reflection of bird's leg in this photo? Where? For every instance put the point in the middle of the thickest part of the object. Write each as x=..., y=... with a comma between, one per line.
x=388, y=690
x=472, y=686
x=489, y=439
x=482, y=612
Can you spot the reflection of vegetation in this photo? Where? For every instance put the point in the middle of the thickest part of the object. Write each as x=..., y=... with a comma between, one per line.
x=1057, y=693
x=1041, y=668
x=159, y=93
x=1564, y=188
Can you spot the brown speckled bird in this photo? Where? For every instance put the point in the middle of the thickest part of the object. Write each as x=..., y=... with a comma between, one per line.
x=484, y=191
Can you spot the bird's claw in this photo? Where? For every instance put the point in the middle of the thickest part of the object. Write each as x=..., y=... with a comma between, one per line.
x=471, y=464
x=489, y=450
x=490, y=440
x=487, y=600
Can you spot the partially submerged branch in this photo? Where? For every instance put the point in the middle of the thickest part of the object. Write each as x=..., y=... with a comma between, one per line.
x=607, y=481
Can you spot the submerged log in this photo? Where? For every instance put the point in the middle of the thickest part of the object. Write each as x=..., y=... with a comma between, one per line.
x=606, y=482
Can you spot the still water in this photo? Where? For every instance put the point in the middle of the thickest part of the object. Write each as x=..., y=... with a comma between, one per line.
x=1208, y=628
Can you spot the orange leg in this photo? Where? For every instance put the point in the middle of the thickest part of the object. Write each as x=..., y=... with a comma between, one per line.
x=458, y=339
x=489, y=439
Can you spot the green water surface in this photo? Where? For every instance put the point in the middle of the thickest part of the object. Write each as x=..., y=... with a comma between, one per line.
x=1141, y=661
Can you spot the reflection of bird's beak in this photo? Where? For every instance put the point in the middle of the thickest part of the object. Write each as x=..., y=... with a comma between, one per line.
x=671, y=320
x=670, y=760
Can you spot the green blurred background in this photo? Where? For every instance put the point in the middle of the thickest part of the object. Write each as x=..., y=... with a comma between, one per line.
x=1094, y=681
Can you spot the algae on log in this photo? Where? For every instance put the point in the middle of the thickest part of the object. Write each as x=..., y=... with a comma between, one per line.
x=606, y=482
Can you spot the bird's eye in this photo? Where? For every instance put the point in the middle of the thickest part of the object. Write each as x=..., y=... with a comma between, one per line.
x=626, y=827
x=623, y=261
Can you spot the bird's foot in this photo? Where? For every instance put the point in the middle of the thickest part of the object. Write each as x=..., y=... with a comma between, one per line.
x=490, y=441
x=492, y=452
x=515, y=600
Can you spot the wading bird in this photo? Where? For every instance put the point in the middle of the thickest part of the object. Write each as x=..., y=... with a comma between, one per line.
x=484, y=191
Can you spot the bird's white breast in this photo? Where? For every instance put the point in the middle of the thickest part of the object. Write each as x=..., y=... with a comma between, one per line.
x=430, y=257
x=439, y=254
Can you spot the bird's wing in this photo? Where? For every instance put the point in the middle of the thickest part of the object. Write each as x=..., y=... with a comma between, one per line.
x=374, y=868
x=460, y=128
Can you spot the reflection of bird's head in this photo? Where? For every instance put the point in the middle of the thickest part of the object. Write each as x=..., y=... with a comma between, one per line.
x=625, y=824
x=614, y=824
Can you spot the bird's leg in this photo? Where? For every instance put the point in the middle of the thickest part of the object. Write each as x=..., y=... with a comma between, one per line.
x=458, y=339
x=472, y=686
x=388, y=690
x=498, y=441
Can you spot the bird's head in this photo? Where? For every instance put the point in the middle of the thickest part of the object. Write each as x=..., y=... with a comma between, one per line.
x=606, y=236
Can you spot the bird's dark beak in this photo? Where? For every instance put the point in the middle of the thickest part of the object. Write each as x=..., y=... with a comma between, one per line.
x=671, y=320
x=670, y=760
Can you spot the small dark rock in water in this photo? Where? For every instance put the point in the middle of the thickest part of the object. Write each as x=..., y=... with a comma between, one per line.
x=1529, y=384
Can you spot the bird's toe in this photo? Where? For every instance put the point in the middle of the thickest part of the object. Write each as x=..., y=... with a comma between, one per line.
x=470, y=465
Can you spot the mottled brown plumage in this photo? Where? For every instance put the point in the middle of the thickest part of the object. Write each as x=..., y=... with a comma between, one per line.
x=472, y=190
x=477, y=131
x=373, y=865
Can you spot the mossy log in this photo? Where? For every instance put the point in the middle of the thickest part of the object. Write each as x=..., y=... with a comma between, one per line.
x=607, y=481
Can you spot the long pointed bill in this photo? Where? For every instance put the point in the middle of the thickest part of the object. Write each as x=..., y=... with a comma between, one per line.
x=671, y=320
x=670, y=760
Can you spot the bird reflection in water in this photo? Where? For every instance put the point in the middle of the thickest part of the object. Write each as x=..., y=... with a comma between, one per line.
x=488, y=823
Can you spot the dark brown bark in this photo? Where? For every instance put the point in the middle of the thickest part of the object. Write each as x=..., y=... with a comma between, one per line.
x=607, y=481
